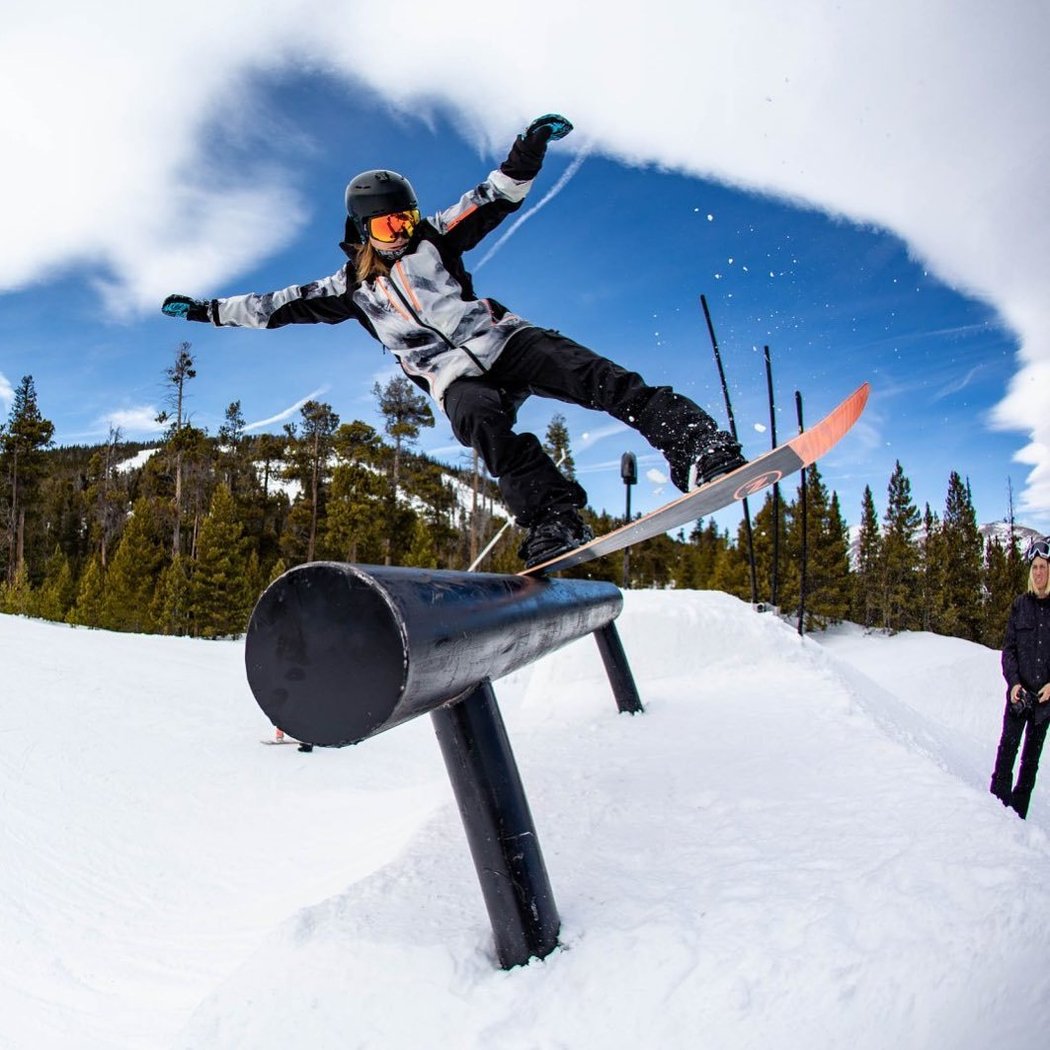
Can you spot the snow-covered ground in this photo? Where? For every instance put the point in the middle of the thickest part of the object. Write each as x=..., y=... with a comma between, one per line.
x=793, y=847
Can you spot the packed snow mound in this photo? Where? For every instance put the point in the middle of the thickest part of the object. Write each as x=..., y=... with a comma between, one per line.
x=794, y=846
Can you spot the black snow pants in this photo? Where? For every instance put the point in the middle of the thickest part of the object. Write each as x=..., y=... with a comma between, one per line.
x=540, y=361
x=1020, y=794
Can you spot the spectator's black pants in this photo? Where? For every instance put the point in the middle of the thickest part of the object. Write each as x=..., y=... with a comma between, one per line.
x=1020, y=794
x=483, y=411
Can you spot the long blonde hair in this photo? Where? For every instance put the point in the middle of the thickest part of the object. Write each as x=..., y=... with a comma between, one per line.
x=368, y=263
x=1031, y=582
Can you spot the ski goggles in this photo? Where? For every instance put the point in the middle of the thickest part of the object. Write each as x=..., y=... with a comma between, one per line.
x=1038, y=549
x=388, y=228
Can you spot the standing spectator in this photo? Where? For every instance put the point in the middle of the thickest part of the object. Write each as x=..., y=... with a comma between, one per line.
x=1026, y=668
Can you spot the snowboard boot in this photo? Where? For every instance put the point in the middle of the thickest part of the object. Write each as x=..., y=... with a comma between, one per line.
x=560, y=529
x=719, y=455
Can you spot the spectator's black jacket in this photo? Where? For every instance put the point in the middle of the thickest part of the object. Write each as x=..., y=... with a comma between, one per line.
x=1026, y=647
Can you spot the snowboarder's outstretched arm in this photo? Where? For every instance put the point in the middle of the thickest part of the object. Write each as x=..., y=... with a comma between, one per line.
x=485, y=206
x=319, y=302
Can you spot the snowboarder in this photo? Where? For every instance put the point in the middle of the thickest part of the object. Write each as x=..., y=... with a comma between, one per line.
x=1026, y=668
x=407, y=285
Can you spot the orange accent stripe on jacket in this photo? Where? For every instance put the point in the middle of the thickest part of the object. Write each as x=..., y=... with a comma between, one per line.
x=393, y=300
x=455, y=222
x=399, y=266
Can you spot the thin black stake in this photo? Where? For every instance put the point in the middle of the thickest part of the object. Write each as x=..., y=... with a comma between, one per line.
x=776, y=487
x=721, y=370
x=805, y=551
x=732, y=430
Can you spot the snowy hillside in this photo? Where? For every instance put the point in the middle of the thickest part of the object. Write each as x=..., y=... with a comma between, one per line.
x=793, y=847
x=462, y=492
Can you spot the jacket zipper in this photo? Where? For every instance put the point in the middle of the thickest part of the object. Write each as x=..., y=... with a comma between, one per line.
x=430, y=328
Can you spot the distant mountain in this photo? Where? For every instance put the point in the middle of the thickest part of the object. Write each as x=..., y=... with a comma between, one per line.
x=1000, y=530
x=996, y=530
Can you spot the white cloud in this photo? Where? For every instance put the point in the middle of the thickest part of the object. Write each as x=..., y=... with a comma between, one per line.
x=138, y=420
x=925, y=118
x=7, y=392
x=112, y=106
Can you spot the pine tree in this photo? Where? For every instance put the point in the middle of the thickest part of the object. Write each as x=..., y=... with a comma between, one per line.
x=268, y=451
x=177, y=376
x=899, y=590
x=58, y=591
x=652, y=564
x=1005, y=577
x=710, y=545
x=867, y=606
x=355, y=525
x=421, y=552
x=732, y=573
x=198, y=480
x=105, y=497
x=828, y=583
x=266, y=509
x=233, y=452
x=220, y=590
x=22, y=442
x=963, y=551
x=16, y=597
x=255, y=579
x=438, y=514
x=132, y=575
x=310, y=464
x=556, y=445
x=91, y=595
x=406, y=412
x=278, y=570
x=171, y=609
x=837, y=582
x=931, y=569
x=762, y=532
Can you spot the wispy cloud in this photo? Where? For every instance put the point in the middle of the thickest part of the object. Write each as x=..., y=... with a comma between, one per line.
x=7, y=392
x=959, y=384
x=566, y=175
x=592, y=435
x=286, y=413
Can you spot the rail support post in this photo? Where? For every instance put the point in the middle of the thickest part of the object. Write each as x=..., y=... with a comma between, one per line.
x=499, y=827
x=618, y=669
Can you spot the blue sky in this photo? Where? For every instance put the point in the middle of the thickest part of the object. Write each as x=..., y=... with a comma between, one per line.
x=617, y=260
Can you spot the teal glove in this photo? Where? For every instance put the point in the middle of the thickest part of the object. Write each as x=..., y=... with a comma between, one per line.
x=186, y=308
x=548, y=128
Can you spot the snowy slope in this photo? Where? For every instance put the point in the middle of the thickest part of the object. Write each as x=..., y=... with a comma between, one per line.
x=793, y=847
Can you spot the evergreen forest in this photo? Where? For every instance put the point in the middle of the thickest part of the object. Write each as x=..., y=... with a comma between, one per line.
x=181, y=536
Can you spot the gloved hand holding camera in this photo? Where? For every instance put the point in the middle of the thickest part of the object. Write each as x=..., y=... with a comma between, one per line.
x=1027, y=702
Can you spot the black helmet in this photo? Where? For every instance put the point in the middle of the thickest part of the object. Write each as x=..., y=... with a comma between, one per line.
x=377, y=193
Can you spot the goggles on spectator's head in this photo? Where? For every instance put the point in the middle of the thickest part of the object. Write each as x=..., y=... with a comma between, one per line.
x=1038, y=549
x=388, y=228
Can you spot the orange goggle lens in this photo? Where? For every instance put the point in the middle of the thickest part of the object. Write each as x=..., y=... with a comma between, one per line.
x=387, y=228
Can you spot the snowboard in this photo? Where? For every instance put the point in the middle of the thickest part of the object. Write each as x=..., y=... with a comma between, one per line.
x=752, y=477
x=278, y=742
